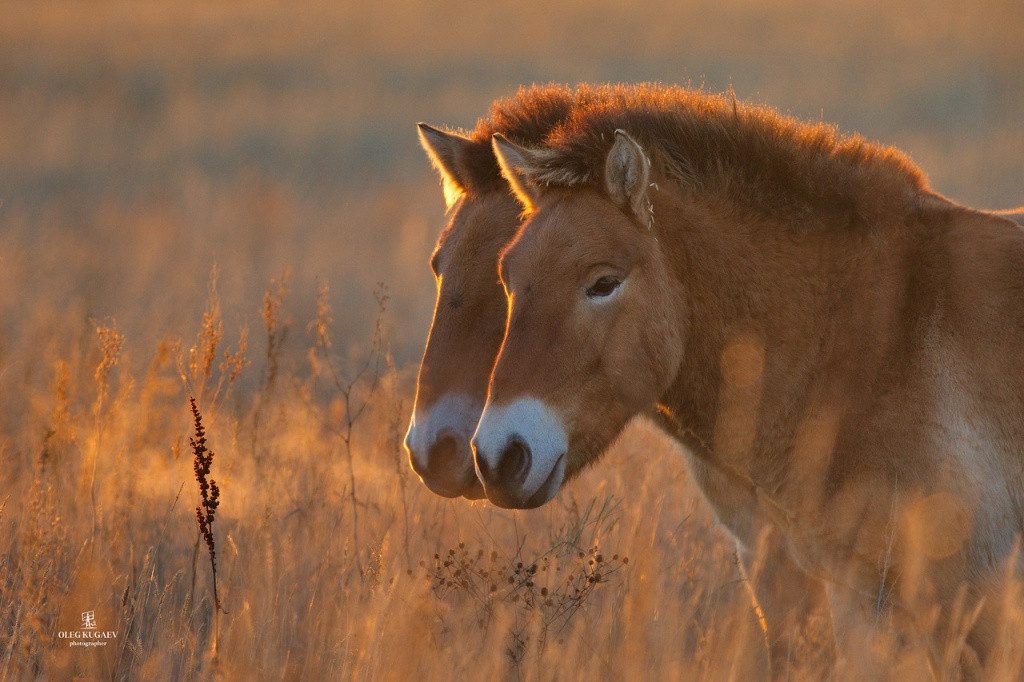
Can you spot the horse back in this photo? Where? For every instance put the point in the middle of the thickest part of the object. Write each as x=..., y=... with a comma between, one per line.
x=976, y=344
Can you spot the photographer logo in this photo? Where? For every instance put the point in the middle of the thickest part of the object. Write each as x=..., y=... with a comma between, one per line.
x=89, y=620
x=90, y=635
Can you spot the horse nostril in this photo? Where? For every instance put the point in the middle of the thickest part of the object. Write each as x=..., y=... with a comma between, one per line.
x=443, y=455
x=514, y=463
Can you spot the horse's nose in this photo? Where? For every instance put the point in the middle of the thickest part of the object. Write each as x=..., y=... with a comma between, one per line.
x=513, y=465
x=417, y=466
x=443, y=457
x=448, y=469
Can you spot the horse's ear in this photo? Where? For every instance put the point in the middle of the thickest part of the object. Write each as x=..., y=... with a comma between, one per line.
x=627, y=175
x=446, y=152
x=517, y=165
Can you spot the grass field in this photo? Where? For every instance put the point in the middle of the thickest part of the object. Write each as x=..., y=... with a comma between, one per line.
x=205, y=198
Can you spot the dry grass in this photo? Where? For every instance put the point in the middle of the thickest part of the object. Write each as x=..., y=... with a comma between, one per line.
x=330, y=562
x=142, y=144
x=420, y=588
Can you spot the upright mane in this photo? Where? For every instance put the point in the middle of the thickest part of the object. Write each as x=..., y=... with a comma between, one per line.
x=527, y=117
x=714, y=145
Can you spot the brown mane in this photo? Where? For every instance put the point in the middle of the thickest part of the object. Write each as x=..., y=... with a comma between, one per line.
x=526, y=117
x=753, y=155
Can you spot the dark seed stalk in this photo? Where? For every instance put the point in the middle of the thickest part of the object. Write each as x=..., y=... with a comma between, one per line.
x=209, y=493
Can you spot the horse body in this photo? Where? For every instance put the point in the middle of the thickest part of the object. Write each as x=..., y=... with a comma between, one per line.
x=839, y=347
x=1014, y=214
x=894, y=372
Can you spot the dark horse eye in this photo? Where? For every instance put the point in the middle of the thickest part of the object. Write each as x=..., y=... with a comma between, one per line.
x=604, y=286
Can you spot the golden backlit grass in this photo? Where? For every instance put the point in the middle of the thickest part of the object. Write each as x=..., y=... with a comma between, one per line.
x=332, y=560
x=99, y=515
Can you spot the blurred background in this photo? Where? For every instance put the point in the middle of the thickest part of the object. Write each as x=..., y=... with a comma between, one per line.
x=142, y=143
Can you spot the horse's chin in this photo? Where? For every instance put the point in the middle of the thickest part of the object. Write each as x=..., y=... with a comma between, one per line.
x=469, y=488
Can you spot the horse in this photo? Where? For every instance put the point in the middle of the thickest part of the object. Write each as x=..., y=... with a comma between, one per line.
x=469, y=312
x=1014, y=214
x=839, y=348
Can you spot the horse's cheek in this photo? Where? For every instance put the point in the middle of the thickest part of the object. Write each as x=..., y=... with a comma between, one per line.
x=665, y=345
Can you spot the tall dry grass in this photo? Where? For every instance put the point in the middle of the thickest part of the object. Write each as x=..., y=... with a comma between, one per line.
x=330, y=561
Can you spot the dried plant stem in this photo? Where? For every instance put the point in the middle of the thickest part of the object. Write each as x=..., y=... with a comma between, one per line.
x=209, y=493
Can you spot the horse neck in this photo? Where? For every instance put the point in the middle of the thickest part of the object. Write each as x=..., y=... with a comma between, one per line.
x=778, y=318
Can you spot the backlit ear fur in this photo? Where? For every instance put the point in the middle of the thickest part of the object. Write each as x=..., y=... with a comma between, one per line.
x=627, y=175
x=446, y=151
x=518, y=165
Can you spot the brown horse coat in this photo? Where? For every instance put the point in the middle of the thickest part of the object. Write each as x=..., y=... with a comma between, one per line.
x=841, y=348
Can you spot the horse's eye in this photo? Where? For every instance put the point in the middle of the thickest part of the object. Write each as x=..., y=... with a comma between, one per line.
x=604, y=286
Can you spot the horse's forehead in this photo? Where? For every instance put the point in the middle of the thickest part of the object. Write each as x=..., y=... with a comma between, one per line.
x=570, y=223
x=574, y=204
x=540, y=242
x=478, y=227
